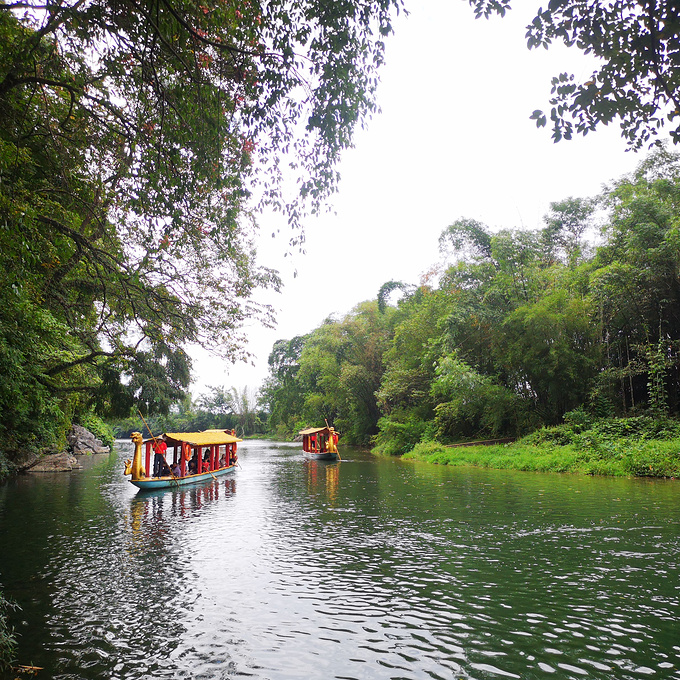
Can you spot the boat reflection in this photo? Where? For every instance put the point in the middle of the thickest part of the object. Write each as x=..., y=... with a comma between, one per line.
x=323, y=476
x=155, y=513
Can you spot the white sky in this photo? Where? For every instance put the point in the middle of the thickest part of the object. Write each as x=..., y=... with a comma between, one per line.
x=453, y=140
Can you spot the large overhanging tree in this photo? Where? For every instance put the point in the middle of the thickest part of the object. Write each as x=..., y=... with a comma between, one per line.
x=637, y=80
x=135, y=139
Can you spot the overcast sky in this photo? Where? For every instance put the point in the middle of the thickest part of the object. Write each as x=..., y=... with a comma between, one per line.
x=454, y=139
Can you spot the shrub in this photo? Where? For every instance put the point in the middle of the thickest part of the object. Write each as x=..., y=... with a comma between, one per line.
x=426, y=450
x=98, y=428
x=579, y=419
x=8, y=642
x=560, y=435
x=638, y=427
x=395, y=437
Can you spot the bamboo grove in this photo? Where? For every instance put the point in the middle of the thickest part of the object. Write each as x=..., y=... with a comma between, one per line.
x=521, y=328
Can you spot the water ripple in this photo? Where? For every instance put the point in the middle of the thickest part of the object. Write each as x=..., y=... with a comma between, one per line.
x=367, y=569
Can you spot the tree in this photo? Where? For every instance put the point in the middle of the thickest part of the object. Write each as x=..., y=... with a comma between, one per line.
x=550, y=352
x=637, y=81
x=341, y=366
x=410, y=358
x=565, y=226
x=282, y=395
x=636, y=286
x=472, y=405
x=135, y=139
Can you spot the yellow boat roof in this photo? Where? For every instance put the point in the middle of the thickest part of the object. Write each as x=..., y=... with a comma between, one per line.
x=205, y=438
x=316, y=430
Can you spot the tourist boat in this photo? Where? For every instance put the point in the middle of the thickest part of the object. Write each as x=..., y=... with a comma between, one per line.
x=320, y=443
x=212, y=451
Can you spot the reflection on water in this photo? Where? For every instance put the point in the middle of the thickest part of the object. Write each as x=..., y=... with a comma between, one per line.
x=324, y=474
x=356, y=569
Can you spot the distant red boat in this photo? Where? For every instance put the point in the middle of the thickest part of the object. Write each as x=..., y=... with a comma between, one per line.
x=320, y=443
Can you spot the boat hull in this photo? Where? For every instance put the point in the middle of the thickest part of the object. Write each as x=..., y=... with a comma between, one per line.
x=321, y=456
x=174, y=482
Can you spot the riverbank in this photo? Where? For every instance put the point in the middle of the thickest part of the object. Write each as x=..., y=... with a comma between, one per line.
x=626, y=457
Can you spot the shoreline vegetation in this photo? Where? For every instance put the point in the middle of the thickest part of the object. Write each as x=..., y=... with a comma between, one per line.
x=623, y=447
x=563, y=339
x=8, y=641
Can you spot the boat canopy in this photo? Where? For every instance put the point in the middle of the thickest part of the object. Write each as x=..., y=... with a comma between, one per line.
x=316, y=430
x=205, y=438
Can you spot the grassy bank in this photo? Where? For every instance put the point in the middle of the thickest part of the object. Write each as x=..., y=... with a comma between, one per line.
x=623, y=458
x=620, y=448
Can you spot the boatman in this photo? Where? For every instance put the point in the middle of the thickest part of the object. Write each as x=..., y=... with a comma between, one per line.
x=160, y=449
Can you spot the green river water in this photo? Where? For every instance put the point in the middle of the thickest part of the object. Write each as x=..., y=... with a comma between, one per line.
x=364, y=569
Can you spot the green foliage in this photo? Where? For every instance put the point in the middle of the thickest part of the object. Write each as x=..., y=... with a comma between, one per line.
x=579, y=419
x=526, y=330
x=638, y=427
x=332, y=375
x=8, y=642
x=551, y=351
x=430, y=451
x=282, y=395
x=466, y=236
x=220, y=408
x=98, y=427
x=566, y=224
x=636, y=80
x=558, y=435
x=619, y=458
x=134, y=143
x=471, y=405
x=587, y=432
x=387, y=289
x=399, y=433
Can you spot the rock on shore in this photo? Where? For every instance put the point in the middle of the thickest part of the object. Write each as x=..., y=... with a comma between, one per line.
x=81, y=443
x=56, y=462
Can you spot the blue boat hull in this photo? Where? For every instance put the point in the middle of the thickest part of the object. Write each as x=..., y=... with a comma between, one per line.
x=174, y=482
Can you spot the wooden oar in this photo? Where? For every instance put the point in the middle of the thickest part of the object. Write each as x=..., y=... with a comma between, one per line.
x=32, y=670
x=154, y=441
x=146, y=425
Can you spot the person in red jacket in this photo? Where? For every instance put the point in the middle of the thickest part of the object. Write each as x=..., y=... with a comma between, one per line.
x=160, y=448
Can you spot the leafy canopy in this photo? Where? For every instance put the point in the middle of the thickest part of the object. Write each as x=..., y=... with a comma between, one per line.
x=637, y=81
x=135, y=140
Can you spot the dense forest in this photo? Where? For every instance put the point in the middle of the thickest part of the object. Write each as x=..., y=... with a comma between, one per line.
x=137, y=142
x=519, y=328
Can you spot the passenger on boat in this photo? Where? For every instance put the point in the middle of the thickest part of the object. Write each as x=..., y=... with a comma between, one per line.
x=160, y=449
x=165, y=469
x=223, y=461
x=176, y=470
x=193, y=465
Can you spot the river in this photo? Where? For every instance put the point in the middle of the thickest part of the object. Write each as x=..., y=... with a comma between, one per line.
x=363, y=569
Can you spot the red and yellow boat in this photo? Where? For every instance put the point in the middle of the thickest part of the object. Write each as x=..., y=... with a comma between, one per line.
x=320, y=443
x=196, y=457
